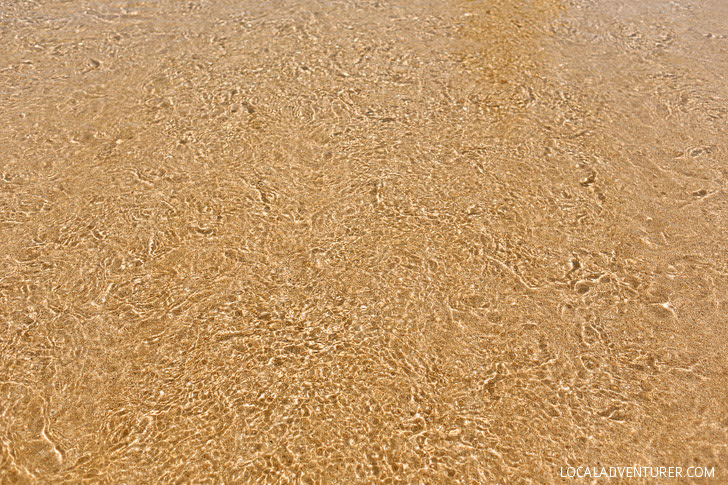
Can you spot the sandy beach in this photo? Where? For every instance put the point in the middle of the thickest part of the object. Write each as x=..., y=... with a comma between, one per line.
x=363, y=241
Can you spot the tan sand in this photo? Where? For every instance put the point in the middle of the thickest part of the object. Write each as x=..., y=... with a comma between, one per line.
x=362, y=241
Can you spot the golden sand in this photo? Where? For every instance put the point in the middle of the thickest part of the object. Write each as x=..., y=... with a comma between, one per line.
x=362, y=241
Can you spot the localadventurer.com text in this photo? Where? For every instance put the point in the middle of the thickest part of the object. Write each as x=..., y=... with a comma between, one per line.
x=635, y=471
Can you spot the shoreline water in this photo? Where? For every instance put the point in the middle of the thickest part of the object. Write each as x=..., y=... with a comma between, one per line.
x=360, y=241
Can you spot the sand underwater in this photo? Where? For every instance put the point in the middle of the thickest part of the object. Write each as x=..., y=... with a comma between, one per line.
x=362, y=241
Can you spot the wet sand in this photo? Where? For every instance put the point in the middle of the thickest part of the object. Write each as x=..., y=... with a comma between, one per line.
x=362, y=241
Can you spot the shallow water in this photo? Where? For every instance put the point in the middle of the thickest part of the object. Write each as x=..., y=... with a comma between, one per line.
x=361, y=241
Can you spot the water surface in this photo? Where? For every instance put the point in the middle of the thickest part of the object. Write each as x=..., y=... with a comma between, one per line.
x=361, y=241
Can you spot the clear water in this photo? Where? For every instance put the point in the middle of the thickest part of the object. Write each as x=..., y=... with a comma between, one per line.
x=361, y=241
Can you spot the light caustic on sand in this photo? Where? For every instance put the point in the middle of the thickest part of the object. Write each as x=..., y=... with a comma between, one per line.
x=352, y=241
